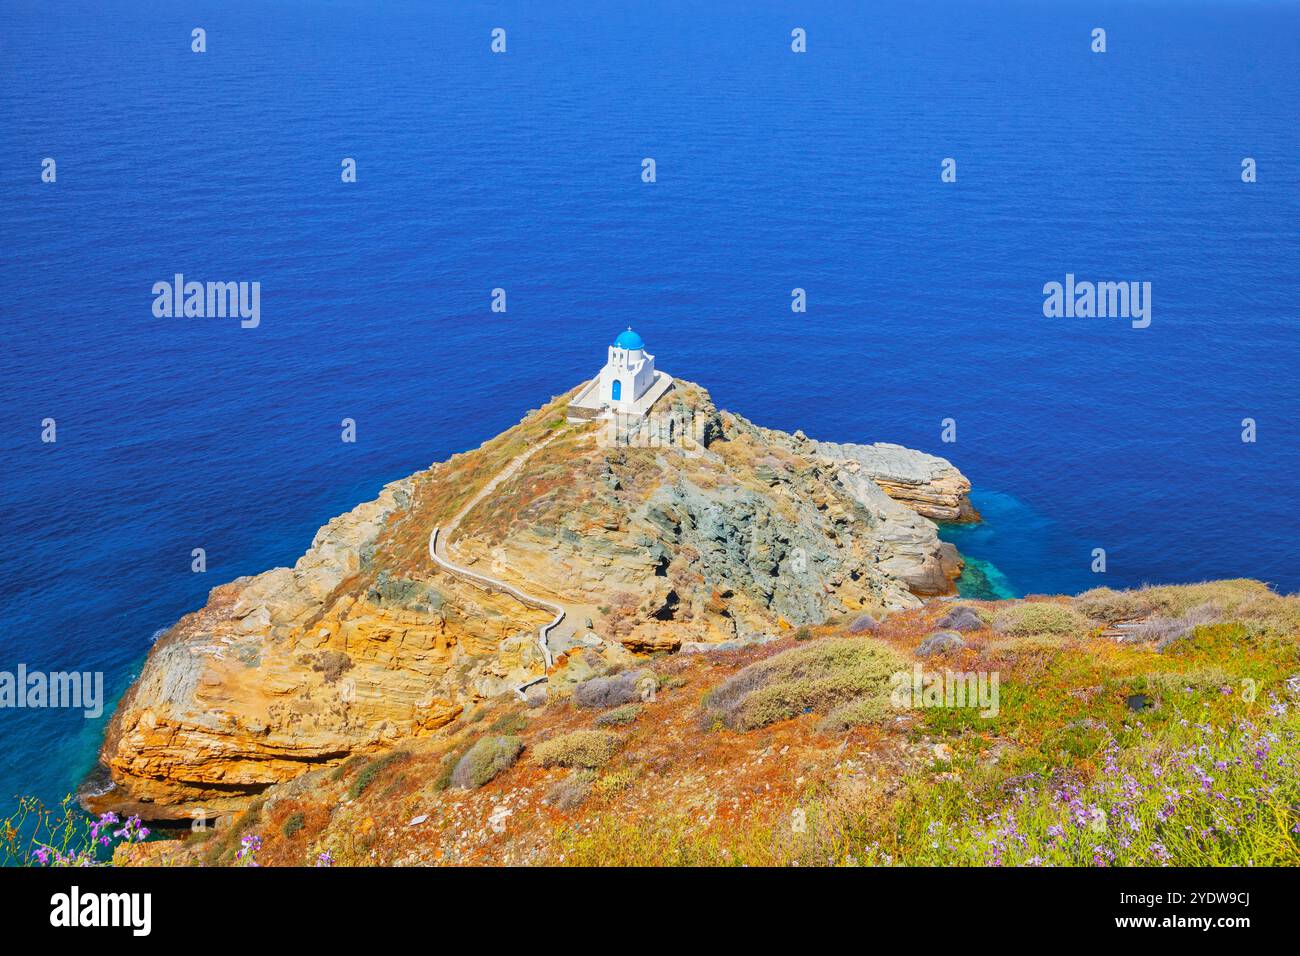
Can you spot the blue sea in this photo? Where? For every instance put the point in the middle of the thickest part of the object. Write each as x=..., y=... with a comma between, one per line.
x=523, y=171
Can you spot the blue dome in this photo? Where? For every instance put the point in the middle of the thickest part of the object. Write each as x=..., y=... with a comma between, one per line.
x=629, y=340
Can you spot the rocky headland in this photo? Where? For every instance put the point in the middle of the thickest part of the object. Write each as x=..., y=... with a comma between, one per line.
x=735, y=534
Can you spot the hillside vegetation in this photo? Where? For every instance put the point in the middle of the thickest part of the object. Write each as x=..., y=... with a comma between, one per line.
x=1149, y=727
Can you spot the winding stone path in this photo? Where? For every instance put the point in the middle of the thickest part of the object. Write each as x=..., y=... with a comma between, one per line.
x=439, y=544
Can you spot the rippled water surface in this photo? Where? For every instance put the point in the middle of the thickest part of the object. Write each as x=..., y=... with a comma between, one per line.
x=522, y=171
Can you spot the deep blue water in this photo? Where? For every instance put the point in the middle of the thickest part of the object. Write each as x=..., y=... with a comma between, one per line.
x=522, y=171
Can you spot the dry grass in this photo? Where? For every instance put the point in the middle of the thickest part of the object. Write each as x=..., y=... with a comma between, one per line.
x=485, y=760
x=571, y=792
x=1236, y=598
x=1172, y=613
x=613, y=690
x=579, y=748
x=1163, y=631
x=1023, y=620
x=856, y=713
x=819, y=677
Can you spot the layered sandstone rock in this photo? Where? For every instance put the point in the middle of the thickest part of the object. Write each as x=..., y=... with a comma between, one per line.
x=734, y=534
x=301, y=666
x=927, y=484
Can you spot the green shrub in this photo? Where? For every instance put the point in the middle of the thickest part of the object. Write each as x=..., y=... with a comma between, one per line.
x=579, y=748
x=615, y=782
x=293, y=824
x=818, y=677
x=485, y=760
x=371, y=770
x=448, y=766
x=856, y=713
x=346, y=767
x=508, y=724
x=619, y=716
x=1022, y=620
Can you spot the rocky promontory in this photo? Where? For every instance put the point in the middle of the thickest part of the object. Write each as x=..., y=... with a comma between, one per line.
x=724, y=531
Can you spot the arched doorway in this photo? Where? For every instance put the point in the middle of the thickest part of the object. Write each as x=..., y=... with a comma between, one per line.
x=617, y=391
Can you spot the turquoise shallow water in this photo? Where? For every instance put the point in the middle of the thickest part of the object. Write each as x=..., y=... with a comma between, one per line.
x=1016, y=550
x=775, y=171
x=982, y=580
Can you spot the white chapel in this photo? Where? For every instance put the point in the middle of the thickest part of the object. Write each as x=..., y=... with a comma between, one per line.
x=627, y=385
